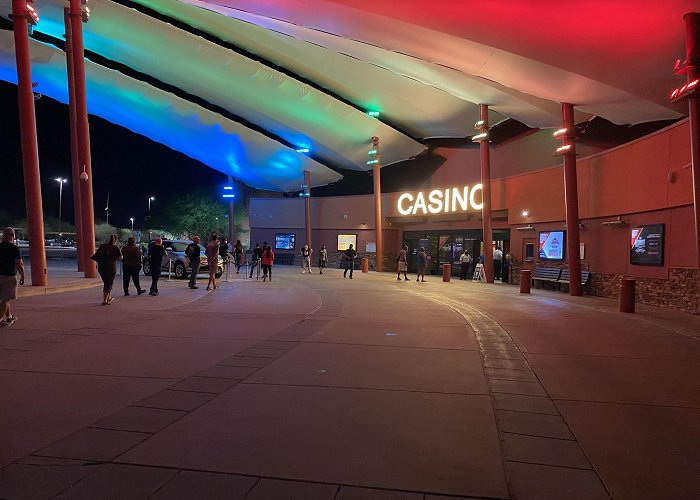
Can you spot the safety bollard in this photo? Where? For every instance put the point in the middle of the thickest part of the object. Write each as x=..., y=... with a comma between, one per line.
x=365, y=265
x=446, y=272
x=525, y=279
x=627, y=287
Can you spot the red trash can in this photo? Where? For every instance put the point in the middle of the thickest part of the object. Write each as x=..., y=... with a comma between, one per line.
x=446, y=272
x=525, y=279
x=627, y=287
x=365, y=265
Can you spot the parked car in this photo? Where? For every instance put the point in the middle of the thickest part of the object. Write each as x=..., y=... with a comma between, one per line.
x=178, y=262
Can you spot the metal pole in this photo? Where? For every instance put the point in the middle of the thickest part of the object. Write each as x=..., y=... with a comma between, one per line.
x=486, y=194
x=692, y=49
x=86, y=201
x=60, y=203
x=30, y=153
x=307, y=204
x=75, y=159
x=571, y=197
x=376, y=175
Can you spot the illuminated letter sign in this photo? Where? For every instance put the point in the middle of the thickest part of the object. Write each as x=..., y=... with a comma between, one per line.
x=450, y=200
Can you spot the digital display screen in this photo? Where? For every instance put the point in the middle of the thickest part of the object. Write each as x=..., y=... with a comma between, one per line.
x=647, y=245
x=345, y=240
x=552, y=245
x=285, y=241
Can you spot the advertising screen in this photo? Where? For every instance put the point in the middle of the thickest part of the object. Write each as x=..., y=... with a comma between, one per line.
x=552, y=245
x=647, y=245
x=345, y=240
x=284, y=241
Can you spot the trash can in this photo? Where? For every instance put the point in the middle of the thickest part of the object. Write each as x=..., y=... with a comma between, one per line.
x=446, y=272
x=525, y=279
x=627, y=287
x=365, y=265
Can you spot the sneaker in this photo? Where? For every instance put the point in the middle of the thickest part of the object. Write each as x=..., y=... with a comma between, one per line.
x=126, y=294
x=150, y=293
x=155, y=294
x=141, y=292
x=194, y=287
x=11, y=320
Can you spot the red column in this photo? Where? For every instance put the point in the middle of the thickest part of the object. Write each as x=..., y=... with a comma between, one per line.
x=30, y=151
x=86, y=199
x=231, y=221
x=378, y=207
x=571, y=196
x=692, y=50
x=307, y=203
x=486, y=191
x=75, y=160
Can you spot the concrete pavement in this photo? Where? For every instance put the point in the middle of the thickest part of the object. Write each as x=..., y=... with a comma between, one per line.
x=319, y=387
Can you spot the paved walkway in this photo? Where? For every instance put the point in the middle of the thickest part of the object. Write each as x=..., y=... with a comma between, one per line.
x=319, y=387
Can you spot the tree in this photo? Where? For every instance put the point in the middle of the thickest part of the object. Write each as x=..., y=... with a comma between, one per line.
x=196, y=214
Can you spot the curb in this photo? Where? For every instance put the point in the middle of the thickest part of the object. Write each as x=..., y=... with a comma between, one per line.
x=32, y=291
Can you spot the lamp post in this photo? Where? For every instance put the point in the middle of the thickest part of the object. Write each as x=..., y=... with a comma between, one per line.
x=150, y=199
x=132, y=224
x=60, y=181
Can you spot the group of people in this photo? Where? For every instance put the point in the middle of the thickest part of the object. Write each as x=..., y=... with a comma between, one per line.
x=402, y=264
x=348, y=259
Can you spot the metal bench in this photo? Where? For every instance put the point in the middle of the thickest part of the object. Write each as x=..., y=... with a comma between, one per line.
x=546, y=274
x=566, y=278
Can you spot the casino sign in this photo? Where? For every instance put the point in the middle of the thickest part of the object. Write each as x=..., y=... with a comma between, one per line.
x=440, y=201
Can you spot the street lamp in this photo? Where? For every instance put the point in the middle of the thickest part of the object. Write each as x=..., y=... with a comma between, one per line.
x=132, y=224
x=150, y=199
x=60, y=181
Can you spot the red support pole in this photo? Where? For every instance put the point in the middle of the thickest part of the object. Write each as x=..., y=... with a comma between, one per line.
x=86, y=199
x=692, y=49
x=571, y=196
x=376, y=175
x=486, y=192
x=75, y=160
x=307, y=205
x=30, y=151
x=231, y=221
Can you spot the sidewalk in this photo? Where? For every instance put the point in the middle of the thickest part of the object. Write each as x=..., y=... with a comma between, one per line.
x=63, y=277
x=319, y=387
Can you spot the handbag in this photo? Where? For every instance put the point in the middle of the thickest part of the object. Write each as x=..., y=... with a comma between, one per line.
x=97, y=256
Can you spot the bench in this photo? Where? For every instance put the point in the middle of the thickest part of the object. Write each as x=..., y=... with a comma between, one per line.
x=565, y=278
x=546, y=274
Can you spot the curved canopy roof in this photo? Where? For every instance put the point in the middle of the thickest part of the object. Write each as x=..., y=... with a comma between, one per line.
x=305, y=72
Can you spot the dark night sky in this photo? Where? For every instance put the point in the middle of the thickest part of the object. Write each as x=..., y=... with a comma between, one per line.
x=130, y=166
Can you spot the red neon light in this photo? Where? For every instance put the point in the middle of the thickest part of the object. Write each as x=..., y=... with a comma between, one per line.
x=685, y=89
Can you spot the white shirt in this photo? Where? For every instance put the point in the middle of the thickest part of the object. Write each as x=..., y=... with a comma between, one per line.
x=497, y=255
x=465, y=258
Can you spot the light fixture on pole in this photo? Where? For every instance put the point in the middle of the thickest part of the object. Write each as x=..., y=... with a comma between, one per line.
x=150, y=199
x=60, y=181
x=132, y=223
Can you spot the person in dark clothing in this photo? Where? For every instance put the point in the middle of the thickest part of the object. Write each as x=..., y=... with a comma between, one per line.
x=225, y=254
x=255, y=257
x=131, y=262
x=107, y=256
x=156, y=254
x=238, y=255
x=193, y=253
x=10, y=266
x=267, y=260
x=349, y=260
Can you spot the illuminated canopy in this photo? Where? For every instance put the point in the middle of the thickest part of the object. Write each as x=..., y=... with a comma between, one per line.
x=306, y=72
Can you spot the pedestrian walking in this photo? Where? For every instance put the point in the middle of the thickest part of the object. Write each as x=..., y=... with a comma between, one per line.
x=322, y=259
x=131, y=265
x=497, y=263
x=306, y=252
x=238, y=255
x=193, y=252
x=106, y=257
x=212, y=253
x=422, y=261
x=255, y=257
x=225, y=255
x=402, y=264
x=10, y=266
x=268, y=258
x=465, y=262
x=156, y=254
x=349, y=260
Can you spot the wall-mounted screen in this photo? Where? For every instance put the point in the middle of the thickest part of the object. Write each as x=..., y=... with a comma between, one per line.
x=285, y=241
x=552, y=245
x=647, y=245
x=345, y=240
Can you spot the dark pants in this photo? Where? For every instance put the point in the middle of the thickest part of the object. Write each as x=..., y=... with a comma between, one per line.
x=321, y=264
x=497, y=269
x=463, y=270
x=131, y=273
x=193, y=274
x=239, y=262
x=348, y=267
x=267, y=269
x=155, y=275
x=506, y=271
x=107, y=276
x=253, y=265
